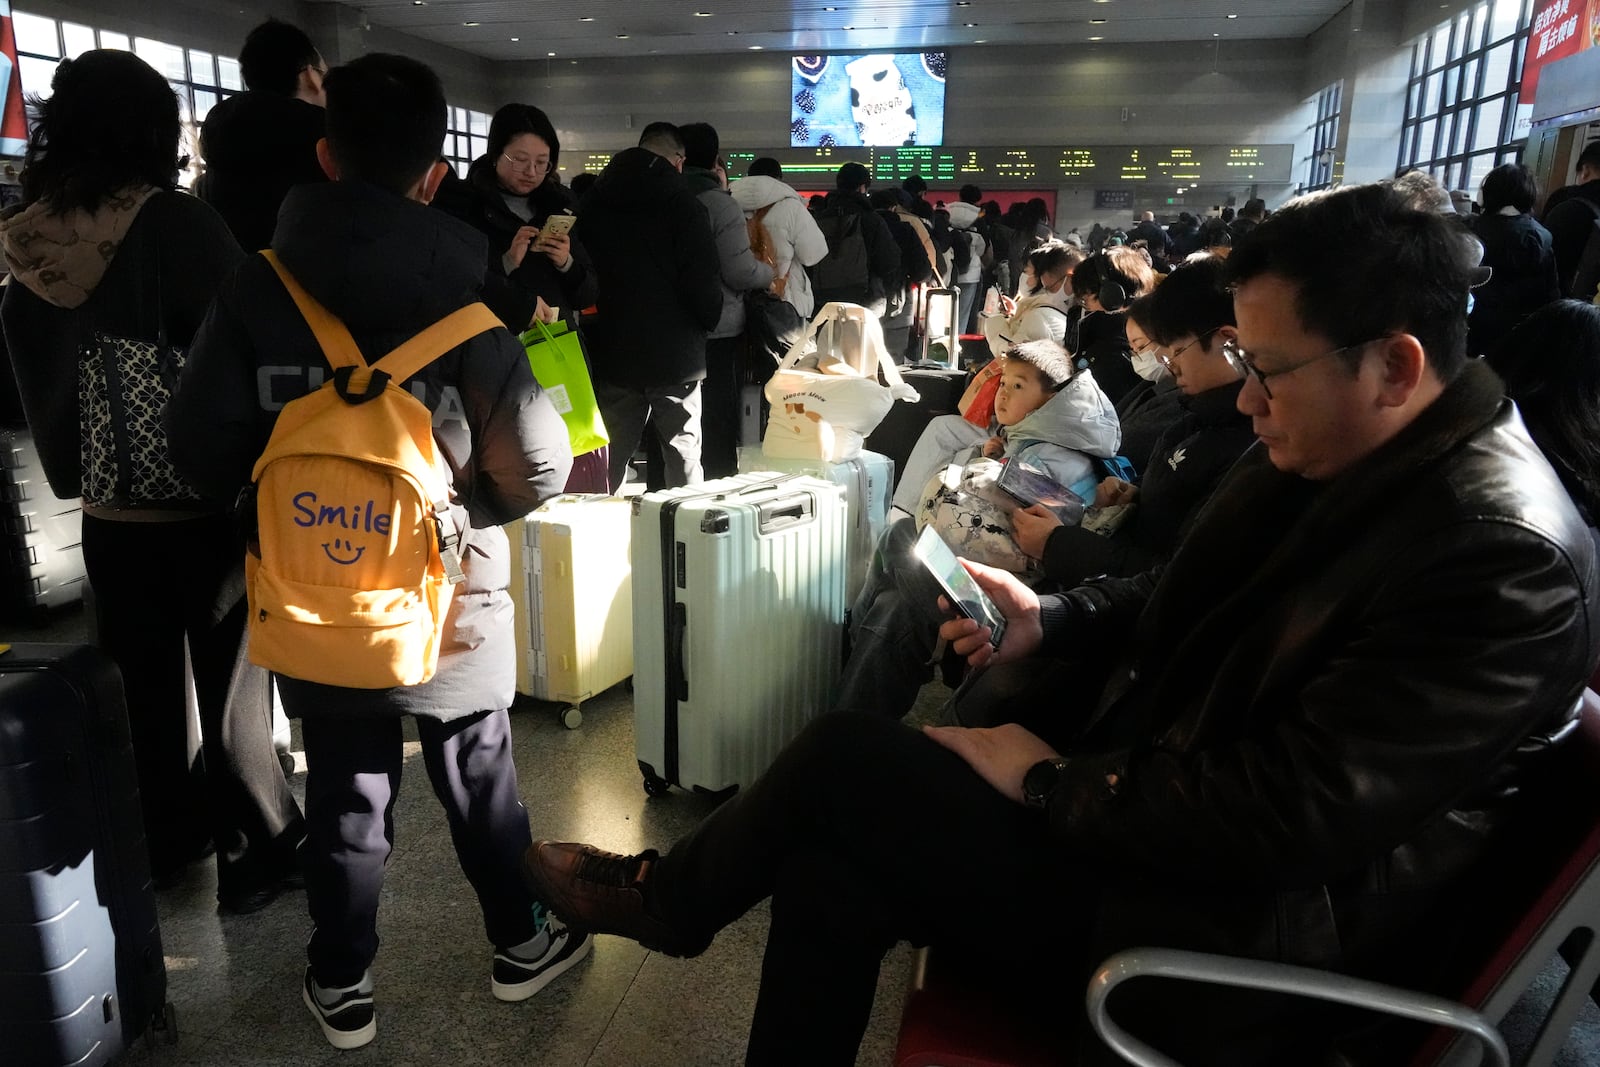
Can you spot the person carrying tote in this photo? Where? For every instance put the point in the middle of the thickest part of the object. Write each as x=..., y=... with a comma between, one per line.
x=105, y=255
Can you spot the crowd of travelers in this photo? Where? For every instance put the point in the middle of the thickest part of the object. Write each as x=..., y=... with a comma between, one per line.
x=1282, y=687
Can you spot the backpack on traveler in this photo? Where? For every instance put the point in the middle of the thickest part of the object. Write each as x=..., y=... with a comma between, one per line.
x=354, y=557
x=843, y=274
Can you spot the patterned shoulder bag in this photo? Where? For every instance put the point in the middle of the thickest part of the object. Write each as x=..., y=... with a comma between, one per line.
x=124, y=387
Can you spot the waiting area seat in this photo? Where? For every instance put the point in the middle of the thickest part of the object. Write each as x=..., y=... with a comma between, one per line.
x=953, y=1020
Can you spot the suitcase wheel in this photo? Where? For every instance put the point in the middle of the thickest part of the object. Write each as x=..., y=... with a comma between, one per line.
x=571, y=717
x=655, y=785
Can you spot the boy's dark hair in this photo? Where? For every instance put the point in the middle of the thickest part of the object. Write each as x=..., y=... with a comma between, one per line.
x=582, y=183
x=971, y=194
x=1192, y=301
x=1050, y=360
x=765, y=167
x=386, y=120
x=273, y=56
x=914, y=185
x=1590, y=156
x=700, y=144
x=513, y=120
x=662, y=138
x=1509, y=185
x=111, y=121
x=1367, y=263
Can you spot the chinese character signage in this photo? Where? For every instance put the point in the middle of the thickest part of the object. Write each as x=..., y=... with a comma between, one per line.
x=1561, y=28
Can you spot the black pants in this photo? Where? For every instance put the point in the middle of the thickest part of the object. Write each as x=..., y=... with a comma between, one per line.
x=865, y=833
x=156, y=584
x=719, y=418
x=352, y=778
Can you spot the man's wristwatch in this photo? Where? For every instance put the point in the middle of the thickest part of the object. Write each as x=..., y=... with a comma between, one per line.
x=1041, y=780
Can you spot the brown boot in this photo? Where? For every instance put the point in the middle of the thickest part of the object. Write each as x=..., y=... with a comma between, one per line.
x=602, y=892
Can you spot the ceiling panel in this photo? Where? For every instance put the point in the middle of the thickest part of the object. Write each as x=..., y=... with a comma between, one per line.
x=532, y=29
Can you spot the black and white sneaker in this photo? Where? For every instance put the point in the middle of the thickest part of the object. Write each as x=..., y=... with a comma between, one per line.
x=522, y=971
x=345, y=1015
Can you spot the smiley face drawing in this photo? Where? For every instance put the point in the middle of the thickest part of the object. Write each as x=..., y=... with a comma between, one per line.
x=337, y=545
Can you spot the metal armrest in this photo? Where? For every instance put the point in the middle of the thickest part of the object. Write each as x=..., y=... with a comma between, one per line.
x=1276, y=978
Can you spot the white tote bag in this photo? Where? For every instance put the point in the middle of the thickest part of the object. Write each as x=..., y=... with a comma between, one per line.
x=825, y=395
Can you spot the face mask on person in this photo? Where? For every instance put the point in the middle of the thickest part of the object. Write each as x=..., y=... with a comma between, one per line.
x=1148, y=367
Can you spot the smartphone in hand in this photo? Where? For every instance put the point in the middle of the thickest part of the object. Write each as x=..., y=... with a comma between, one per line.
x=557, y=225
x=959, y=587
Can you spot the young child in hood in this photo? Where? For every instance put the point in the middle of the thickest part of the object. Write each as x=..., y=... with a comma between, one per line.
x=1046, y=411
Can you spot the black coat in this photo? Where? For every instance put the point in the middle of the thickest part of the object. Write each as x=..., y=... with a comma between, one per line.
x=1570, y=216
x=1186, y=465
x=1102, y=341
x=257, y=147
x=660, y=288
x=1145, y=412
x=388, y=267
x=477, y=201
x=176, y=239
x=1518, y=251
x=883, y=254
x=1322, y=715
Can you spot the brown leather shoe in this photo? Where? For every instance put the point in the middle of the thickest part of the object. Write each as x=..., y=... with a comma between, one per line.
x=602, y=892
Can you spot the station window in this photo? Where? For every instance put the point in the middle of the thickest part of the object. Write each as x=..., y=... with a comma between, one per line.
x=467, y=138
x=1325, y=138
x=200, y=79
x=1461, y=102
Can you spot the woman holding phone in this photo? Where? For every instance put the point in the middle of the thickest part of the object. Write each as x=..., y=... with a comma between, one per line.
x=513, y=195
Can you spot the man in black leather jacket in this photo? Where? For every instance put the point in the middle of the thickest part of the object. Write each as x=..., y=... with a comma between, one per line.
x=1314, y=725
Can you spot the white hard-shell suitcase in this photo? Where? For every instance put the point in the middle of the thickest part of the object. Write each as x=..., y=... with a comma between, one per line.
x=738, y=600
x=573, y=594
x=868, y=480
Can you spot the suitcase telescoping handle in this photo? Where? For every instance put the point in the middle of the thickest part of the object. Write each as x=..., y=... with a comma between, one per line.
x=787, y=512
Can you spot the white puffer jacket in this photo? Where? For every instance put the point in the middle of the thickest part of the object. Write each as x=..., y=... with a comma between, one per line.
x=796, y=240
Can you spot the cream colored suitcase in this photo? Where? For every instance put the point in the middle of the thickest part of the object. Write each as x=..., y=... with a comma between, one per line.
x=574, y=599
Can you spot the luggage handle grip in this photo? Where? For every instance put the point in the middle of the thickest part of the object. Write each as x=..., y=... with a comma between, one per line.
x=777, y=515
x=678, y=676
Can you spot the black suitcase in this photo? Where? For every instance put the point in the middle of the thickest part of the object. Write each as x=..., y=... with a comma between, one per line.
x=81, y=970
x=940, y=389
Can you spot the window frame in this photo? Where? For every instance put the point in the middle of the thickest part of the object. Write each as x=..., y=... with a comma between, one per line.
x=1449, y=92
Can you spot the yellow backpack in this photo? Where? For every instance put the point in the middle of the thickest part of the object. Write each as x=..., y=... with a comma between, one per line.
x=355, y=558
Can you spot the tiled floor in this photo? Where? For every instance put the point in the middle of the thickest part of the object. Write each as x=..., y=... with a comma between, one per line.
x=235, y=980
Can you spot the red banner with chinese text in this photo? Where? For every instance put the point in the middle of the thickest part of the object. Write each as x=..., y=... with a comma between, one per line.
x=1561, y=28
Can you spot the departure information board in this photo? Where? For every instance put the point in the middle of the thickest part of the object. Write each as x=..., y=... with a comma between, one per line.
x=1034, y=165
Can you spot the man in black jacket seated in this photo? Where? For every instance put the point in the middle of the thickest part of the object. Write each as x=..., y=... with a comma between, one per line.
x=660, y=294
x=1315, y=723
x=1191, y=314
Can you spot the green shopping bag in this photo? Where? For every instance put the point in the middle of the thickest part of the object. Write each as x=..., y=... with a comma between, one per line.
x=556, y=355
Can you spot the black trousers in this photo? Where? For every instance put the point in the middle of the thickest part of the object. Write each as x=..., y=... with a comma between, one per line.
x=353, y=776
x=719, y=417
x=156, y=584
x=864, y=833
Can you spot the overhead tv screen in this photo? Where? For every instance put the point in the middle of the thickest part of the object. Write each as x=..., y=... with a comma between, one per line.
x=882, y=99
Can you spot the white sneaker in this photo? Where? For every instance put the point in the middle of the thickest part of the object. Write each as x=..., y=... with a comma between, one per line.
x=345, y=1015
x=522, y=971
